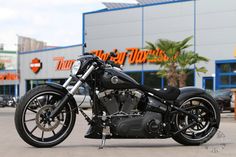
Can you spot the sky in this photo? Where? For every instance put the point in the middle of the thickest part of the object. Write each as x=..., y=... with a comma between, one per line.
x=57, y=22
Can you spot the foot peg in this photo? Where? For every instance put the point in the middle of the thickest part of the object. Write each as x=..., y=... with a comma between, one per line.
x=105, y=132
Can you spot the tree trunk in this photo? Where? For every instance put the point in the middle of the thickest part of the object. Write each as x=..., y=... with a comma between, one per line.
x=172, y=76
x=182, y=79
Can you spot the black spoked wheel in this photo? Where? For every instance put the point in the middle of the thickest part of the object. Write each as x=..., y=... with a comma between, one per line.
x=33, y=122
x=200, y=128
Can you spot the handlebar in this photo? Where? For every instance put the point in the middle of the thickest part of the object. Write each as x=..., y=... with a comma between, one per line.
x=113, y=64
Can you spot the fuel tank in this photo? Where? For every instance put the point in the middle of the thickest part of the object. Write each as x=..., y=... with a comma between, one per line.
x=113, y=78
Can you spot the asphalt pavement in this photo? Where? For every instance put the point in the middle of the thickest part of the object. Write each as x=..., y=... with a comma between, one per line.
x=223, y=144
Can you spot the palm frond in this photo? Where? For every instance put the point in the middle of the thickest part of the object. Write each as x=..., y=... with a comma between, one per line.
x=150, y=46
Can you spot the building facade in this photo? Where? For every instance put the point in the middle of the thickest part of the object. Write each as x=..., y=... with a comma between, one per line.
x=9, y=79
x=48, y=65
x=127, y=29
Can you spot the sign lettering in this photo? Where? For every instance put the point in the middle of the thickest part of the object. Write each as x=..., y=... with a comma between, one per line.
x=63, y=64
x=9, y=76
x=134, y=55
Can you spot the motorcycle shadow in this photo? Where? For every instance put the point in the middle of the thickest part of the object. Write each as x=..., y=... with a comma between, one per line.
x=124, y=145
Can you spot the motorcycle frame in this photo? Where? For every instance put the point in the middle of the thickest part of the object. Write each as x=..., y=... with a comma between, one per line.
x=172, y=106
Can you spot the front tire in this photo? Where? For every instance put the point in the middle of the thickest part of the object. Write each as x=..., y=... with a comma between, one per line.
x=32, y=117
x=207, y=111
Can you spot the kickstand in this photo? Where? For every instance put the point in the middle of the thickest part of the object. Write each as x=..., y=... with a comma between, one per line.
x=103, y=141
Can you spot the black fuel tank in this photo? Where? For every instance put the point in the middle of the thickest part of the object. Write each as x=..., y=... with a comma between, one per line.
x=116, y=79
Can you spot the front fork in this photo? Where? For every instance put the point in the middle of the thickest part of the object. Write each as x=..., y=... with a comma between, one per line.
x=66, y=98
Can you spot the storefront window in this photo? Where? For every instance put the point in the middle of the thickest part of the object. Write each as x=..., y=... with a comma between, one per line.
x=33, y=83
x=151, y=79
x=58, y=81
x=225, y=68
x=7, y=90
x=233, y=79
x=189, y=81
x=224, y=80
x=190, y=78
x=1, y=89
x=233, y=68
x=135, y=75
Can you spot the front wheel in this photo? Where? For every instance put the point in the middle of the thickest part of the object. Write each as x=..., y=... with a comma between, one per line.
x=32, y=117
x=203, y=107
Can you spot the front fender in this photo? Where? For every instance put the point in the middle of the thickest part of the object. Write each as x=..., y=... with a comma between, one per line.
x=187, y=92
x=65, y=91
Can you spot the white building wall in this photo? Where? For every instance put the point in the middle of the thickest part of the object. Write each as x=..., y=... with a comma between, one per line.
x=48, y=70
x=215, y=29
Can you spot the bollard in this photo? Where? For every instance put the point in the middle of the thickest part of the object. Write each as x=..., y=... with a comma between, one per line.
x=235, y=104
x=234, y=91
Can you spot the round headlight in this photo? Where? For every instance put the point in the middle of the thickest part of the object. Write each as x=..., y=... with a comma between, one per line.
x=75, y=67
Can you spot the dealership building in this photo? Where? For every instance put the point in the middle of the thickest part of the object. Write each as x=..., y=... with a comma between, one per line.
x=9, y=79
x=125, y=28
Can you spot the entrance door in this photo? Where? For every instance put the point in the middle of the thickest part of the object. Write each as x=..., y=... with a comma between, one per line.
x=208, y=83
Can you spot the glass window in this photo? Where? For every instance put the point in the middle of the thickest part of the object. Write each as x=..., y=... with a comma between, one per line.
x=33, y=83
x=225, y=68
x=59, y=81
x=224, y=80
x=7, y=89
x=233, y=67
x=1, y=89
x=190, y=78
x=209, y=83
x=189, y=81
x=135, y=75
x=151, y=79
x=233, y=79
x=12, y=90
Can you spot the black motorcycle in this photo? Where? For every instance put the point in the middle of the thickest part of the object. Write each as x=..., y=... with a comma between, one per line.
x=121, y=108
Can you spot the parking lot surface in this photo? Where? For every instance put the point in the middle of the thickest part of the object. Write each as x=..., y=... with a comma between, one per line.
x=222, y=145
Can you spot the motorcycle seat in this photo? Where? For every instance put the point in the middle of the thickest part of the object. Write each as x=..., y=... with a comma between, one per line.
x=170, y=93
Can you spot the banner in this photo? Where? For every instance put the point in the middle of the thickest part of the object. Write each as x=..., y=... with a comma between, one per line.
x=7, y=61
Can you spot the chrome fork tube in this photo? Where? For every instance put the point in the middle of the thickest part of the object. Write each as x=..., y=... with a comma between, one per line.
x=86, y=74
x=66, y=98
x=67, y=82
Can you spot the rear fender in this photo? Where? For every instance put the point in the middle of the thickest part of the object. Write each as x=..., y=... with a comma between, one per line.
x=188, y=92
x=65, y=91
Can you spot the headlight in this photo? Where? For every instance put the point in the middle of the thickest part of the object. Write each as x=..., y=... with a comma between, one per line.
x=75, y=67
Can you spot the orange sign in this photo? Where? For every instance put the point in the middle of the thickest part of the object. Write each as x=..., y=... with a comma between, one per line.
x=63, y=64
x=9, y=76
x=135, y=56
x=35, y=65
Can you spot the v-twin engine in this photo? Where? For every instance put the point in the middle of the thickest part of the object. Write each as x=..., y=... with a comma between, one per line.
x=119, y=101
x=127, y=121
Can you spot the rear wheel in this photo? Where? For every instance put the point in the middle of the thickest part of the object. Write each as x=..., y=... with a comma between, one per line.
x=204, y=128
x=32, y=119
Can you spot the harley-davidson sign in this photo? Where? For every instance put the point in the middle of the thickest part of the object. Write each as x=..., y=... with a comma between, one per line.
x=134, y=55
x=35, y=65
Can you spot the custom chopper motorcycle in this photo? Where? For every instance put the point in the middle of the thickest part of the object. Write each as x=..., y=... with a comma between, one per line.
x=121, y=108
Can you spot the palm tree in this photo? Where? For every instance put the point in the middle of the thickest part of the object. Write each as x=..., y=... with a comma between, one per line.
x=171, y=50
x=185, y=61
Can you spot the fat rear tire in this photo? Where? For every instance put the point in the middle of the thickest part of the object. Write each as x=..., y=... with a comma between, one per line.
x=180, y=138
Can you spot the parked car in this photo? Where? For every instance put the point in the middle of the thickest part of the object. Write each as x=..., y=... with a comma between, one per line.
x=224, y=98
x=7, y=101
x=232, y=103
x=82, y=95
